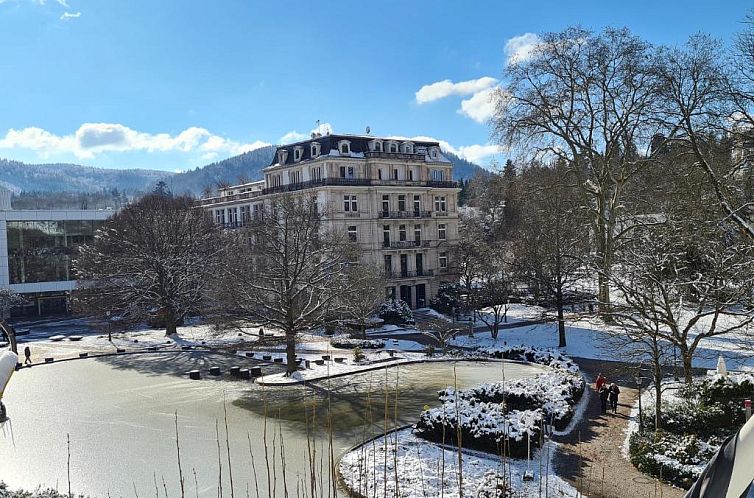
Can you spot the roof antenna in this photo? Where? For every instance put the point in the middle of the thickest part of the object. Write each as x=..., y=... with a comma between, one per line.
x=369, y=130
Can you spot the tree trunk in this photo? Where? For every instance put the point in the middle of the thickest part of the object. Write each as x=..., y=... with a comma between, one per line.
x=561, y=319
x=11, y=336
x=171, y=327
x=290, y=353
x=658, y=395
x=688, y=375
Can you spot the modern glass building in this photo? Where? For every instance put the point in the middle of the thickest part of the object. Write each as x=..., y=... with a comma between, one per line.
x=37, y=248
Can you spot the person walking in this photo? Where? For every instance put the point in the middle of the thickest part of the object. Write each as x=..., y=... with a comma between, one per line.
x=599, y=382
x=612, y=397
x=604, y=393
x=27, y=355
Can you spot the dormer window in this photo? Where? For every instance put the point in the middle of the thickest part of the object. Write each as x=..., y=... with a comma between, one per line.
x=392, y=147
x=282, y=156
x=315, y=149
x=375, y=146
x=298, y=153
x=344, y=147
x=408, y=148
x=434, y=153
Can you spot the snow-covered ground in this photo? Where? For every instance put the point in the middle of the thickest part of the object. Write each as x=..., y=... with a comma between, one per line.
x=419, y=468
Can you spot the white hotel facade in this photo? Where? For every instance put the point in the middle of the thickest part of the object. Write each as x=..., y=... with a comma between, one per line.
x=395, y=198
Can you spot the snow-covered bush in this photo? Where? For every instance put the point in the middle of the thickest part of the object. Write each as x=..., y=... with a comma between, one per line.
x=346, y=342
x=37, y=493
x=396, y=312
x=678, y=459
x=547, y=357
x=503, y=412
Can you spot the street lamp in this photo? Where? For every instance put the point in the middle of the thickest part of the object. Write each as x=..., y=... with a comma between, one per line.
x=109, y=334
x=639, y=379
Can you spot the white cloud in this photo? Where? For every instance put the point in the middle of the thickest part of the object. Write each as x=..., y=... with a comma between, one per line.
x=91, y=139
x=480, y=107
x=446, y=88
x=63, y=3
x=521, y=47
x=294, y=136
x=67, y=16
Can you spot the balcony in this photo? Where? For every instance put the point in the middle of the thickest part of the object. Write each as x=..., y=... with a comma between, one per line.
x=410, y=274
x=394, y=155
x=405, y=214
x=406, y=244
x=350, y=182
x=229, y=198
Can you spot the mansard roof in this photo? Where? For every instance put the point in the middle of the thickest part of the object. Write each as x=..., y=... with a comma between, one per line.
x=359, y=144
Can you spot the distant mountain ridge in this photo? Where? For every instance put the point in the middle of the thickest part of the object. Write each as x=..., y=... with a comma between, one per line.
x=61, y=177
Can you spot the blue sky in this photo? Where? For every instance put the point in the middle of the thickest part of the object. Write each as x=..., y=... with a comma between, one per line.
x=175, y=84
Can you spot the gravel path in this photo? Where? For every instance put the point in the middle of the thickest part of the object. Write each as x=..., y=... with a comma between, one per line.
x=590, y=456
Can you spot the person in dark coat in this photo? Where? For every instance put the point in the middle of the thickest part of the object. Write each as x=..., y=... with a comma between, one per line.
x=27, y=355
x=604, y=393
x=612, y=397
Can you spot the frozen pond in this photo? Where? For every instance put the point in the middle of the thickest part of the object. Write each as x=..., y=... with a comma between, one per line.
x=119, y=413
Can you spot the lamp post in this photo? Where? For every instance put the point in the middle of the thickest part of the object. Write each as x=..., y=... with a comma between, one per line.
x=109, y=331
x=639, y=380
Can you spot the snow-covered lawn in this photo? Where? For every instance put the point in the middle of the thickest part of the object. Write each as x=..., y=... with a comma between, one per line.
x=422, y=469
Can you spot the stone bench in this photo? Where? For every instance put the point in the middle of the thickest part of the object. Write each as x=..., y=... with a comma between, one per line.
x=244, y=373
x=215, y=371
x=49, y=359
x=249, y=354
x=120, y=350
x=195, y=375
x=234, y=371
x=340, y=360
x=278, y=360
x=255, y=371
x=319, y=362
x=83, y=355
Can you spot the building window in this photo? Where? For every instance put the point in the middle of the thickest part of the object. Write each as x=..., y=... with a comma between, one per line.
x=411, y=175
x=282, y=156
x=298, y=152
x=388, y=265
x=390, y=293
x=395, y=173
x=244, y=214
x=443, y=260
x=417, y=205
x=408, y=148
x=386, y=235
x=401, y=202
x=220, y=216
x=393, y=147
x=347, y=172
x=314, y=149
x=232, y=216
x=256, y=211
x=418, y=234
x=375, y=145
x=352, y=233
x=379, y=174
x=385, y=204
x=441, y=204
x=344, y=146
x=437, y=175
x=433, y=153
x=441, y=231
x=349, y=203
x=315, y=173
x=402, y=233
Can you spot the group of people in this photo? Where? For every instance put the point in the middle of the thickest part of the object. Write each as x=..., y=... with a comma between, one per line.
x=608, y=394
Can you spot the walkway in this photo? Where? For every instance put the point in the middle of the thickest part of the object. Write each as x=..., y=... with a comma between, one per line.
x=590, y=457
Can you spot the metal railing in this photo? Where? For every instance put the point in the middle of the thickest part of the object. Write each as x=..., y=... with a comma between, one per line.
x=406, y=244
x=405, y=214
x=410, y=274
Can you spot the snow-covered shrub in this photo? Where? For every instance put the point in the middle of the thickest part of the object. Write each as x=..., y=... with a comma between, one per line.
x=396, y=312
x=555, y=393
x=547, y=357
x=358, y=355
x=483, y=426
x=346, y=342
x=677, y=459
x=37, y=493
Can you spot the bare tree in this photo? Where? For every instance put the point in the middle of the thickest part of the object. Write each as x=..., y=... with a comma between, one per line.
x=684, y=281
x=491, y=293
x=363, y=294
x=707, y=115
x=8, y=300
x=153, y=259
x=586, y=99
x=550, y=246
x=289, y=271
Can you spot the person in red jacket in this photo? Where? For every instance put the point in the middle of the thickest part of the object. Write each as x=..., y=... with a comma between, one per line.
x=601, y=381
